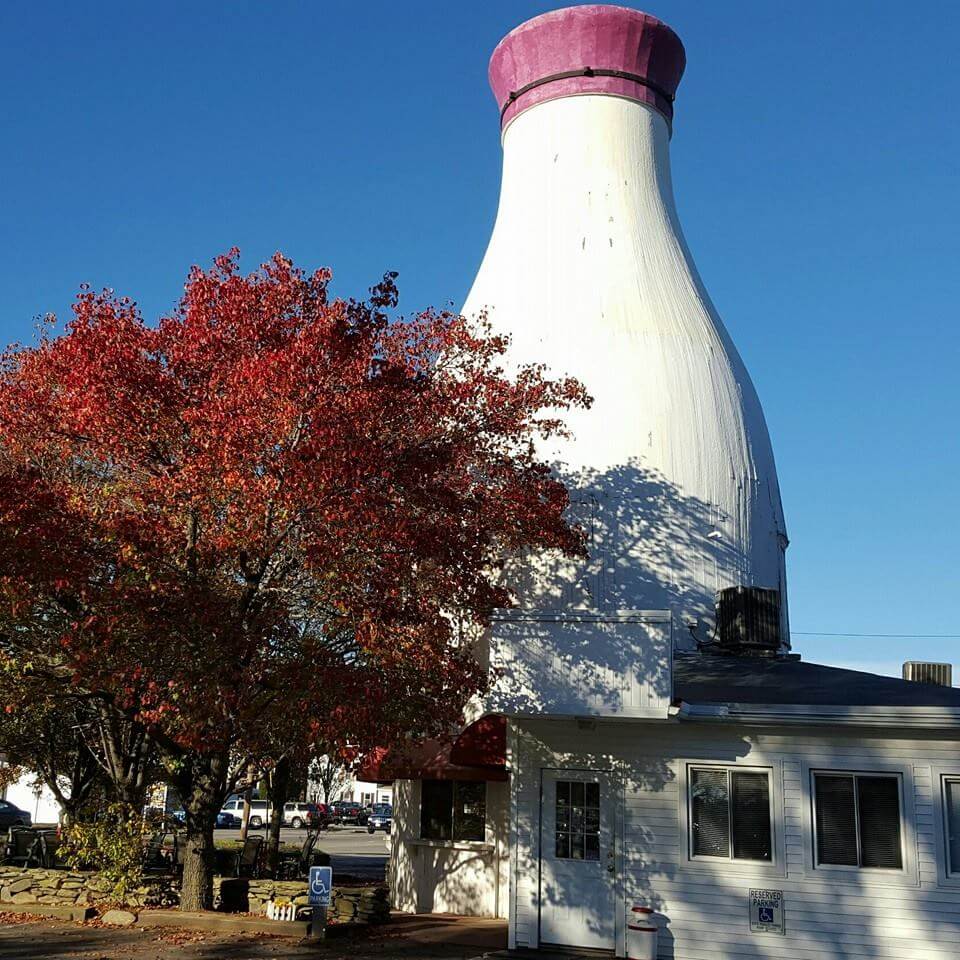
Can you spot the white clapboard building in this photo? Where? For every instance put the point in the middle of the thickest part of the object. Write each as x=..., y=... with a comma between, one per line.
x=651, y=741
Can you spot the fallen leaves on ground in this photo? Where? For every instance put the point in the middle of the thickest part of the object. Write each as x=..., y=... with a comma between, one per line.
x=180, y=937
x=13, y=918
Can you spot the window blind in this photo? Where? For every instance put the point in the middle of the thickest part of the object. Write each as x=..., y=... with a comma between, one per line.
x=858, y=820
x=878, y=804
x=750, y=816
x=836, y=820
x=710, y=813
x=953, y=824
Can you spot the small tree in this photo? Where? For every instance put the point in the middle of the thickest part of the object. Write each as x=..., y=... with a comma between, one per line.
x=271, y=504
x=79, y=747
x=328, y=773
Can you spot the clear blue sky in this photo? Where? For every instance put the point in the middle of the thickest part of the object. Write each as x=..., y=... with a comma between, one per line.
x=815, y=157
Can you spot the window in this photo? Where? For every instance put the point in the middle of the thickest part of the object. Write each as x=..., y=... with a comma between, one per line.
x=452, y=810
x=730, y=814
x=577, y=820
x=858, y=820
x=952, y=804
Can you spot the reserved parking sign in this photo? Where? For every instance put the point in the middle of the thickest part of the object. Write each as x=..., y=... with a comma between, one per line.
x=321, y=884
x=766, y=911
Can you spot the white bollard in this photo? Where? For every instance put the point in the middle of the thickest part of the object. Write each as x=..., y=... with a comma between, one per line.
x=642, y=934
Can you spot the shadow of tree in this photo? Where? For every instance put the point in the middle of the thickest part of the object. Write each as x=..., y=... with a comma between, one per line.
x=595, y=635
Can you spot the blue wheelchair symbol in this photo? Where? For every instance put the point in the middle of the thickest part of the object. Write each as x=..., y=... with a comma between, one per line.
x=766, y=914
x=321, y=883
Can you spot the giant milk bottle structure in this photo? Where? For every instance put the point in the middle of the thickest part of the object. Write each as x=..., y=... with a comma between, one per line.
x=672, y=469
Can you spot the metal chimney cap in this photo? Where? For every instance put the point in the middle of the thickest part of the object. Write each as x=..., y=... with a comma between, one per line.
x=596, y=48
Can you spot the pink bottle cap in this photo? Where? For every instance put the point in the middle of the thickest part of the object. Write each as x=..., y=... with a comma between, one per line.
x=589, y=49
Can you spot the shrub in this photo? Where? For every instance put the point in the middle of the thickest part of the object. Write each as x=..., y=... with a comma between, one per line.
x=113, y=845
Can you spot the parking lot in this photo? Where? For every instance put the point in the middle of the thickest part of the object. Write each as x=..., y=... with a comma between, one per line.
x=352, y=850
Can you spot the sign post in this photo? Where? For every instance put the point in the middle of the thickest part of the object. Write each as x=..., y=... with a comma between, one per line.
x=766, y=911
x=320, y=889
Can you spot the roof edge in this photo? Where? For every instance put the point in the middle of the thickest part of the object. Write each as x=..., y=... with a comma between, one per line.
x=924, y=718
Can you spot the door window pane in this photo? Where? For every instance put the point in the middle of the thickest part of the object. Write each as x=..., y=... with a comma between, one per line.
x=577, y=820
x=710, y=813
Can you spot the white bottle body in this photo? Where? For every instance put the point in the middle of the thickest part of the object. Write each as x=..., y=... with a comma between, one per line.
x=587, y=270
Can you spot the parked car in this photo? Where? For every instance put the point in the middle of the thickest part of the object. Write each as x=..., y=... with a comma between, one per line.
x=11, y=816
x=299, y=815
x=345, y=811
x=259, y=811
x=381, y=818
x=228, y=821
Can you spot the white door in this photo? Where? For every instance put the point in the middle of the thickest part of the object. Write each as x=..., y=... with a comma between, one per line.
x=577, y=859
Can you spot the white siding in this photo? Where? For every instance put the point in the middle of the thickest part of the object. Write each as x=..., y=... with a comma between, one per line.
x=577, y=664
x=464, y=877
x=904, y=915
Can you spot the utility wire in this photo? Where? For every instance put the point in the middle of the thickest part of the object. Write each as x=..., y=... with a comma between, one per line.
x=892, y=636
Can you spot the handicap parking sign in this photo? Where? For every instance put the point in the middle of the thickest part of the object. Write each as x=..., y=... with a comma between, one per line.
x=766, y=911
x=321, y=884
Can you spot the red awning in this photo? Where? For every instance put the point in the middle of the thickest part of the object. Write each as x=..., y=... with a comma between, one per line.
x=483, y=743
x=478, y=753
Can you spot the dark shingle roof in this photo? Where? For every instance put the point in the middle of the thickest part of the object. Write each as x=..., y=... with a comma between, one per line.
x=705, y=678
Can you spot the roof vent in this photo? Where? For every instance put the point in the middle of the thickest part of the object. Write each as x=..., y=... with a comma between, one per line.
x=940, y=674
x=748, y=622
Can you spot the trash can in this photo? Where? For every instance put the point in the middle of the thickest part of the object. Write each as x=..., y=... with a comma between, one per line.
x=641, y=934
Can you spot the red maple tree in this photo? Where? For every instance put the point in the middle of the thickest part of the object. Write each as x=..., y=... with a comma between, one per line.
x=272, y=510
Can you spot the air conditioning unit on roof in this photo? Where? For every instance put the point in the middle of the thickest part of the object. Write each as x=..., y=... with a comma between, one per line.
x=940, y=674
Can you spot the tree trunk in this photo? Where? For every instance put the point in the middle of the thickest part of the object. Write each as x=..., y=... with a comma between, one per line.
x=196, y=888
x=201, y=781
x=279, y=788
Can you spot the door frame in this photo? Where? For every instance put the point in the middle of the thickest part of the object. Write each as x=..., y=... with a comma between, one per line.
x=616, y=829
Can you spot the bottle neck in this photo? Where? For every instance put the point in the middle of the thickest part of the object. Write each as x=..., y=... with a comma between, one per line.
x=604, y=152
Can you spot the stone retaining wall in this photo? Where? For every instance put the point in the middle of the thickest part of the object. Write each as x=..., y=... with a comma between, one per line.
x=347, y=904
x=26, y=886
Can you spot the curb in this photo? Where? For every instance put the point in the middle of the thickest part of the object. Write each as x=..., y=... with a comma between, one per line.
x=56, y=911
x=222, y=923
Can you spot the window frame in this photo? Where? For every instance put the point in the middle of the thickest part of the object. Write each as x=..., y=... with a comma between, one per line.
x=453, y=807
x=569, y=832
x=905, y=822
x=729, y=770
x=941, y=776
x=759, y=762
x=951, y=869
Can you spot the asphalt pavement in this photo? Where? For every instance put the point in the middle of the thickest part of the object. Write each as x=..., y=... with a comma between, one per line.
x=352, y=850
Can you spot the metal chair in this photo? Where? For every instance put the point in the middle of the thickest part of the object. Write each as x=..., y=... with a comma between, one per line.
x=248, y=858
x=24, y=848
x=295, y=866
x=50, y=847
x=153, y=858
